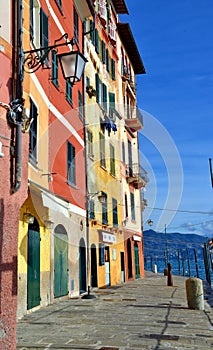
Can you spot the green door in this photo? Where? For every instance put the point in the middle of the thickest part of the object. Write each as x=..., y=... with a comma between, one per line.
x=137, y=266
x=60, y=264
x=33, y=271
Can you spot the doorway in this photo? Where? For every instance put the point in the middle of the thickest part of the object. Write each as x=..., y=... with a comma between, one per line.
x=94, y=277
x=33, y=266
x=60, y=261
x=82, y=266
x=137, y=264
x=129, y=257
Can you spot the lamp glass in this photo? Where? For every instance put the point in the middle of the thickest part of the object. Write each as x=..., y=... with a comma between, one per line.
x=102, y=198
x=72, y=65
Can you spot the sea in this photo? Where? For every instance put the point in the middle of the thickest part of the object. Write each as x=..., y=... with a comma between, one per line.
x=187, y=268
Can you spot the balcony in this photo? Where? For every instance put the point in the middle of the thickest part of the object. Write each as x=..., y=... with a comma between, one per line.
x=135, y=121
x=137, y=176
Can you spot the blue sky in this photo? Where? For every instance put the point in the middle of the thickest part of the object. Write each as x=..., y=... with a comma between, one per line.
x=176, y=96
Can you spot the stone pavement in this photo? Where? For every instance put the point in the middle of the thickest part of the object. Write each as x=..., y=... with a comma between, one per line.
x=142, y=314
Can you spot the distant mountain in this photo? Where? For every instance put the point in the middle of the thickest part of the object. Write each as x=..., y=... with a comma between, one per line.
x=155, y=243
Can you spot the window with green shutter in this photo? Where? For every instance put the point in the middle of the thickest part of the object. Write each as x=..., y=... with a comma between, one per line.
x=113, y=69
x=132, y=200
x=102, y=150
x=104, y=210
x=68, y=91
x=103, y=51
x=54, y=68
x=104, y=97
x=33, y=133
x=90, y=143
x=114, y=212
x=91, y=209
x=97, y=85
x=112, y=160
x=76, y=25
x=101, y=254
x=97, y=41
x=80, y=105
x=107, y=61
x=44, y=32
x=92, y=31
x=71, y=177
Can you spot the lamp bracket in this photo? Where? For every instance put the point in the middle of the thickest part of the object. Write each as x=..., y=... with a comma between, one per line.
x=38, y=57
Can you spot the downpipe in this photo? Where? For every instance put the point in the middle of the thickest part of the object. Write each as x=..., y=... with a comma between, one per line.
x=15, y=115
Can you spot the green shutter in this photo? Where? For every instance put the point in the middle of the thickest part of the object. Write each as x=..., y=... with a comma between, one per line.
x=68, y=91
x=103, y=51
x=80, y=105
x=97, y=44
x=112, y=160
x=71, y=164
x=92, y=32
x=54, y=68
x=105, y=97
x=97, y=81
x=113, y=69
x=43, y=31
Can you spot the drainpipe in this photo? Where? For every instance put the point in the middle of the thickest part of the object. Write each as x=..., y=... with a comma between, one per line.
x=15, y=115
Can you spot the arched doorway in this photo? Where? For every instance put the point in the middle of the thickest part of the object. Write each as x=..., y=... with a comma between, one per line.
x=137, y=264
x=33, y=266
x=129, y=256
x=82, y=266
x=60, y=261
x=94, y=277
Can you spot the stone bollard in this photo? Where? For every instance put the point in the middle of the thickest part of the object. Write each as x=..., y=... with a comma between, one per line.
x=194, y=293
x=154, y=268
x=169, y=279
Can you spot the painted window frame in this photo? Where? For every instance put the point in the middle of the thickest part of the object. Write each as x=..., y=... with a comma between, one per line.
x=71, y=164
x=33, y=133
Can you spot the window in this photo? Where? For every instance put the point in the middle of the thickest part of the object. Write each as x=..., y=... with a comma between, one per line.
x=103, y=52
x=123, y=152
x=104, y=210
x=80, y=105
x=92, y=32
x=68, y=91
x=113, y=69
x=33, y=134
x=90, y=143
x=44, y=31
x=91, y=209
x=71, y=164
x=54, y=68
x=107, y=60
x=35, y=22
x=102, y=150
x=132, y=200
x=97, y=41
x=126, y=206
x=97, y=83
x=115, y=212
x=101, y=254
x=76, y=27
x=112, y=160
x=111, y=101
x=130, y=157
x=104, y=97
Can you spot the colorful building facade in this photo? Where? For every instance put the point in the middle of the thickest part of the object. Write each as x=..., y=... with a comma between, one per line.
x=69, y=162
x=113, y=167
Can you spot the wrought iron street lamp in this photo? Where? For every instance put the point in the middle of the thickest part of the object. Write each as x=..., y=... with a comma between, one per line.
x=72, y=62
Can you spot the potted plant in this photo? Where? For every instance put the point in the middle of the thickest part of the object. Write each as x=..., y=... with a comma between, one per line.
x=91, y=91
